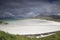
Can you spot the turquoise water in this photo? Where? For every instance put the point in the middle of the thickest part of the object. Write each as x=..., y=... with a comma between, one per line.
x=13, y=19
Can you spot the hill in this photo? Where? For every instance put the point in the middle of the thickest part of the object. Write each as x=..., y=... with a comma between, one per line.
x=49, y=17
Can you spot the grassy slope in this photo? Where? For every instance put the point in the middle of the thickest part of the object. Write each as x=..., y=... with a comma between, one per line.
x=6, y=36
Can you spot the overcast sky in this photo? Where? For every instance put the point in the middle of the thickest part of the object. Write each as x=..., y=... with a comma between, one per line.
x=28, y=8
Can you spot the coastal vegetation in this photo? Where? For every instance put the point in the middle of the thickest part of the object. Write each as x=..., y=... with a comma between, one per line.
x=2, y=22
x=7, y=36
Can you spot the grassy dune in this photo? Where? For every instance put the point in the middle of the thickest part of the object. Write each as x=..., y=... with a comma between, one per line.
x=7, y=36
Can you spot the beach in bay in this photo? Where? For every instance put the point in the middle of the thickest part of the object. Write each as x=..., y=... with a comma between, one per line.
x=30, y=26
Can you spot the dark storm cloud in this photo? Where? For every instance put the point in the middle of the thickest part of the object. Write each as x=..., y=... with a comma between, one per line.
x=28, y=8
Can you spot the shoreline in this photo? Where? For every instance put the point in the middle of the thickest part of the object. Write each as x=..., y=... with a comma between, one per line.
x=24, y=26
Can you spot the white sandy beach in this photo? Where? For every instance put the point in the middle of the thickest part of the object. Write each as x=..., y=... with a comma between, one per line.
x=30, y=26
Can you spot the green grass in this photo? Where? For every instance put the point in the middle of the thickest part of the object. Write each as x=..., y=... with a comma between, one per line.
x=7, y=36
